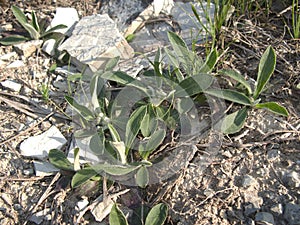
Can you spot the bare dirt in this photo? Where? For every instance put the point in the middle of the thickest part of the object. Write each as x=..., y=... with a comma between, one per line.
x=255, y=174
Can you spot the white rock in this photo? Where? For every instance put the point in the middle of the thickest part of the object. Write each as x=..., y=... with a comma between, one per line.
x=48, y=46
x=65, y=16
x=28, y=48
x=82, y=204
x=44, y=169
x=16, y=64
x=12, y=85
x=40, y=145
x=8, y=56
x=94, y=40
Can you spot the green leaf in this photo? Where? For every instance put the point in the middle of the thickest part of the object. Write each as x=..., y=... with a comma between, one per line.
x=238, y=77
x=142, y=177
x=111, y=63
x=233, y=122
x=265, y=69
x=82, y=176
x=76, y=159
x=149, y=123
x=230, y=95
x=115, y=169
x=58, y=159
x=193, y=85
x=117, y=76
x=133, y=126
x=53, y=29
x=34, y=22
x=154, y=141
x=82, y=110
x=177, y=43
x=34, y=34
x=13, y=39
x=157, y=215
x=20, y=16
x=210, y=61
x=116, y=216
x=273, y=107
x=120, y=147
x=114, y=133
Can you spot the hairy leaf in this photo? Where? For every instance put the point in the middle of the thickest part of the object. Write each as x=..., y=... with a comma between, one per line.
x=82, y=110
x=116, y=216
x=233, y=122
x=239, y=78
x=112, y=63
x=59, y=160
x=273, y=107
x=193, y=85
x=230, y=95
x=115, y=170
x=142, y=177
x=13, y=39
x=133, y=126
x=265, y=69
x=82, y=176
x=152, y=143
x=20, y=16
x=157, y=215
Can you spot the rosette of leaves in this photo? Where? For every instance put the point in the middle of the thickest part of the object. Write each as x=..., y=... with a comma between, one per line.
x=234, y=122
x=34, y=28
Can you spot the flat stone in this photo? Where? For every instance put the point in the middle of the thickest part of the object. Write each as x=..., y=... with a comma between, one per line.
x=16, y=64
x=28, y=48
x=60, y=83
x=123, y=12
x=248, y=181
x=44, y=169
x=40, y=216
x=40, y=145
x=12, y=85
x=292, y=213
x=265, y=218
x=94, y=40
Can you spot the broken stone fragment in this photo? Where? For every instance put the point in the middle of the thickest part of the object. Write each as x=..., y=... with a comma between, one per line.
x=28, y=48
x=40, y=145
x=12, y=85
x=44, y=169
x=94, y=40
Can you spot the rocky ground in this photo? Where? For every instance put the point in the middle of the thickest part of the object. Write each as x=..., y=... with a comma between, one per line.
x=253, y=178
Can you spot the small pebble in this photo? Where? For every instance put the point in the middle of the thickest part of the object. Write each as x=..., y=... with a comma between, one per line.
x=265, y=218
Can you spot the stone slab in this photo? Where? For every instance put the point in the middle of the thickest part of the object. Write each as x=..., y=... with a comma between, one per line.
x=94, y=40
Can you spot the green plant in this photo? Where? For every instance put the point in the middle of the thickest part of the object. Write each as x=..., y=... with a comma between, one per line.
x=156, y=216
x=34, y=28
x=222, y=11
x=232, y=123
x=44, y=89
x=296, y=19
